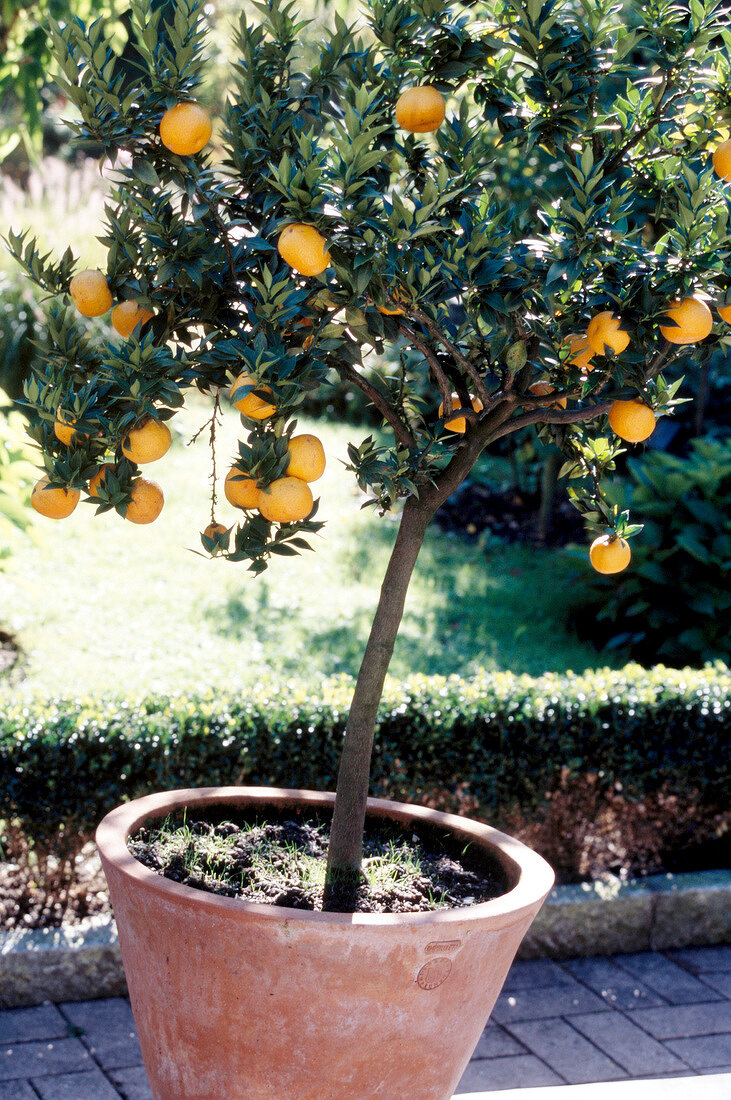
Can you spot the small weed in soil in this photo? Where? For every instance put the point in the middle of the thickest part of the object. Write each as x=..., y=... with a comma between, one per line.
x=283, y=863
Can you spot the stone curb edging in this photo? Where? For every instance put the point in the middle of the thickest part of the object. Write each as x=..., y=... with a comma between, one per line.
x=82, y=962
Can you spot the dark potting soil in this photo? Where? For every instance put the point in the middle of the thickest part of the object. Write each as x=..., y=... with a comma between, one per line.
x=283, y=863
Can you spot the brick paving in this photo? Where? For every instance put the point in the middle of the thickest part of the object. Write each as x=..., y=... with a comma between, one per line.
x=647, y=1016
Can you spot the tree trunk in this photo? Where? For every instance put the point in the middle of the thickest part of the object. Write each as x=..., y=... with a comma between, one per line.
x=346, y=836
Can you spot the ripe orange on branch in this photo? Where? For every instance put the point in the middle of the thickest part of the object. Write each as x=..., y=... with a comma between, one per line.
x=98, y=480
x=306, y=457
x=54, y=503
x=147, y=442
x=542, y=389
x=146, y=501
x=724, y=312
x=286, y=500
x=581, y=352
x=609, y=554
x=303, y=248
x=185, y=129
x=127, y=316
x=63, y=427
x=251, y=405
x=722, y=160
x=605, y=331
x=240, y=490
x=420, y=110
x=90, y=293
x=633, y=421
x=693, y=321
x=458, y=424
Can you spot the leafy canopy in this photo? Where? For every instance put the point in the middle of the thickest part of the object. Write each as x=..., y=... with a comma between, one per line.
x=572, y=176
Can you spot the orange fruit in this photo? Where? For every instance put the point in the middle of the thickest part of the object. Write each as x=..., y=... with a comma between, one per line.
x=147, y=442
x=54, y=503
x=306, y=458
x=722, y=160
x=303, y=248
x=286, y=500
x=63, y=428
x=693, y=321
x=396, y=296
x=541, y=389
x=724, y=312
x=581, y=351
x=633, y=421
x=251, y=405
x=185, y=129
x=458, y=424
x=127, y=316
x=421, y=109
x=146, y=501
x=240, y=490
x=99, y=479
x=90, y=293
x=605, y=330
x=609, y=554
x=214, y=529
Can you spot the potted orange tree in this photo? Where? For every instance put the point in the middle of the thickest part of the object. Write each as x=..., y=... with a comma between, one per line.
x=524, y=205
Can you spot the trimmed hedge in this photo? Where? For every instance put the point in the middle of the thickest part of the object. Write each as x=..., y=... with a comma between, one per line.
x=501, y=740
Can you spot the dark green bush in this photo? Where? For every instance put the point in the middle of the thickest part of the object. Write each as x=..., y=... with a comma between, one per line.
x=674, y=602
x=495, y=741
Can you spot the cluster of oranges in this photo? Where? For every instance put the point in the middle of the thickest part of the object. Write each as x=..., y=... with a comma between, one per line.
x=288, y=499
x=634, y=421
x=146, y=442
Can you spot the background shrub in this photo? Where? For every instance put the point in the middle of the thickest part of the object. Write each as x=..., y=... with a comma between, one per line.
x=497, y=739
x=675, y=601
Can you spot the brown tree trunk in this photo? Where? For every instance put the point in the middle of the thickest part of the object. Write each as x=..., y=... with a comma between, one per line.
x=346, y=836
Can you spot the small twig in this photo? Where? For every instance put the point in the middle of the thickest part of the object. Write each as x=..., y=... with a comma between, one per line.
x=214, y=422
x=440, y=377
x=389, y=414
x=436, y=333
x=643, y=131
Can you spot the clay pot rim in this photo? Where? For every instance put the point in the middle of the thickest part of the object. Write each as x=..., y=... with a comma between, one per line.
x=532, y=876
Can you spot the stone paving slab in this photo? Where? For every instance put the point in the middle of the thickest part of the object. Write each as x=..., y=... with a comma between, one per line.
x=636, y=1051
x=667, y=978
x=75, y=1086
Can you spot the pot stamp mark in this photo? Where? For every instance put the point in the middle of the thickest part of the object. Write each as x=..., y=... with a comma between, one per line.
x=442, y=946
x=433, y=973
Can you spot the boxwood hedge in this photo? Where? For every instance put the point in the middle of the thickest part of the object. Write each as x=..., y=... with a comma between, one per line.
x=502, y=740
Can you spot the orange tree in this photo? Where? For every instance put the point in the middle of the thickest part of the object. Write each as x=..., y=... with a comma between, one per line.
x=354, y=212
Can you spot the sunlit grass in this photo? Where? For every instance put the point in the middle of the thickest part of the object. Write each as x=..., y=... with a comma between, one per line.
x=103, y=605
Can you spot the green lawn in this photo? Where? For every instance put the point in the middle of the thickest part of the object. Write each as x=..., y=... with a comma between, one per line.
x=102, y=605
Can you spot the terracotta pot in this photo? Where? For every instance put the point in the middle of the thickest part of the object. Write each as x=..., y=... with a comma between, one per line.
x=239, y=1001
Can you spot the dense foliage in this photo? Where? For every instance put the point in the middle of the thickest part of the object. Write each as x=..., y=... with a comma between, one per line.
x=497, y=740
x=676, y=602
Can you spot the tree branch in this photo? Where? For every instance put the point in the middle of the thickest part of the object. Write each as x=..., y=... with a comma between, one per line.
x=440, y=377
x=462, y=360
x=401, y=432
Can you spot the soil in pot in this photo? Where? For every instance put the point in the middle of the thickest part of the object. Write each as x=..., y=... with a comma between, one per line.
x=282, y=862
